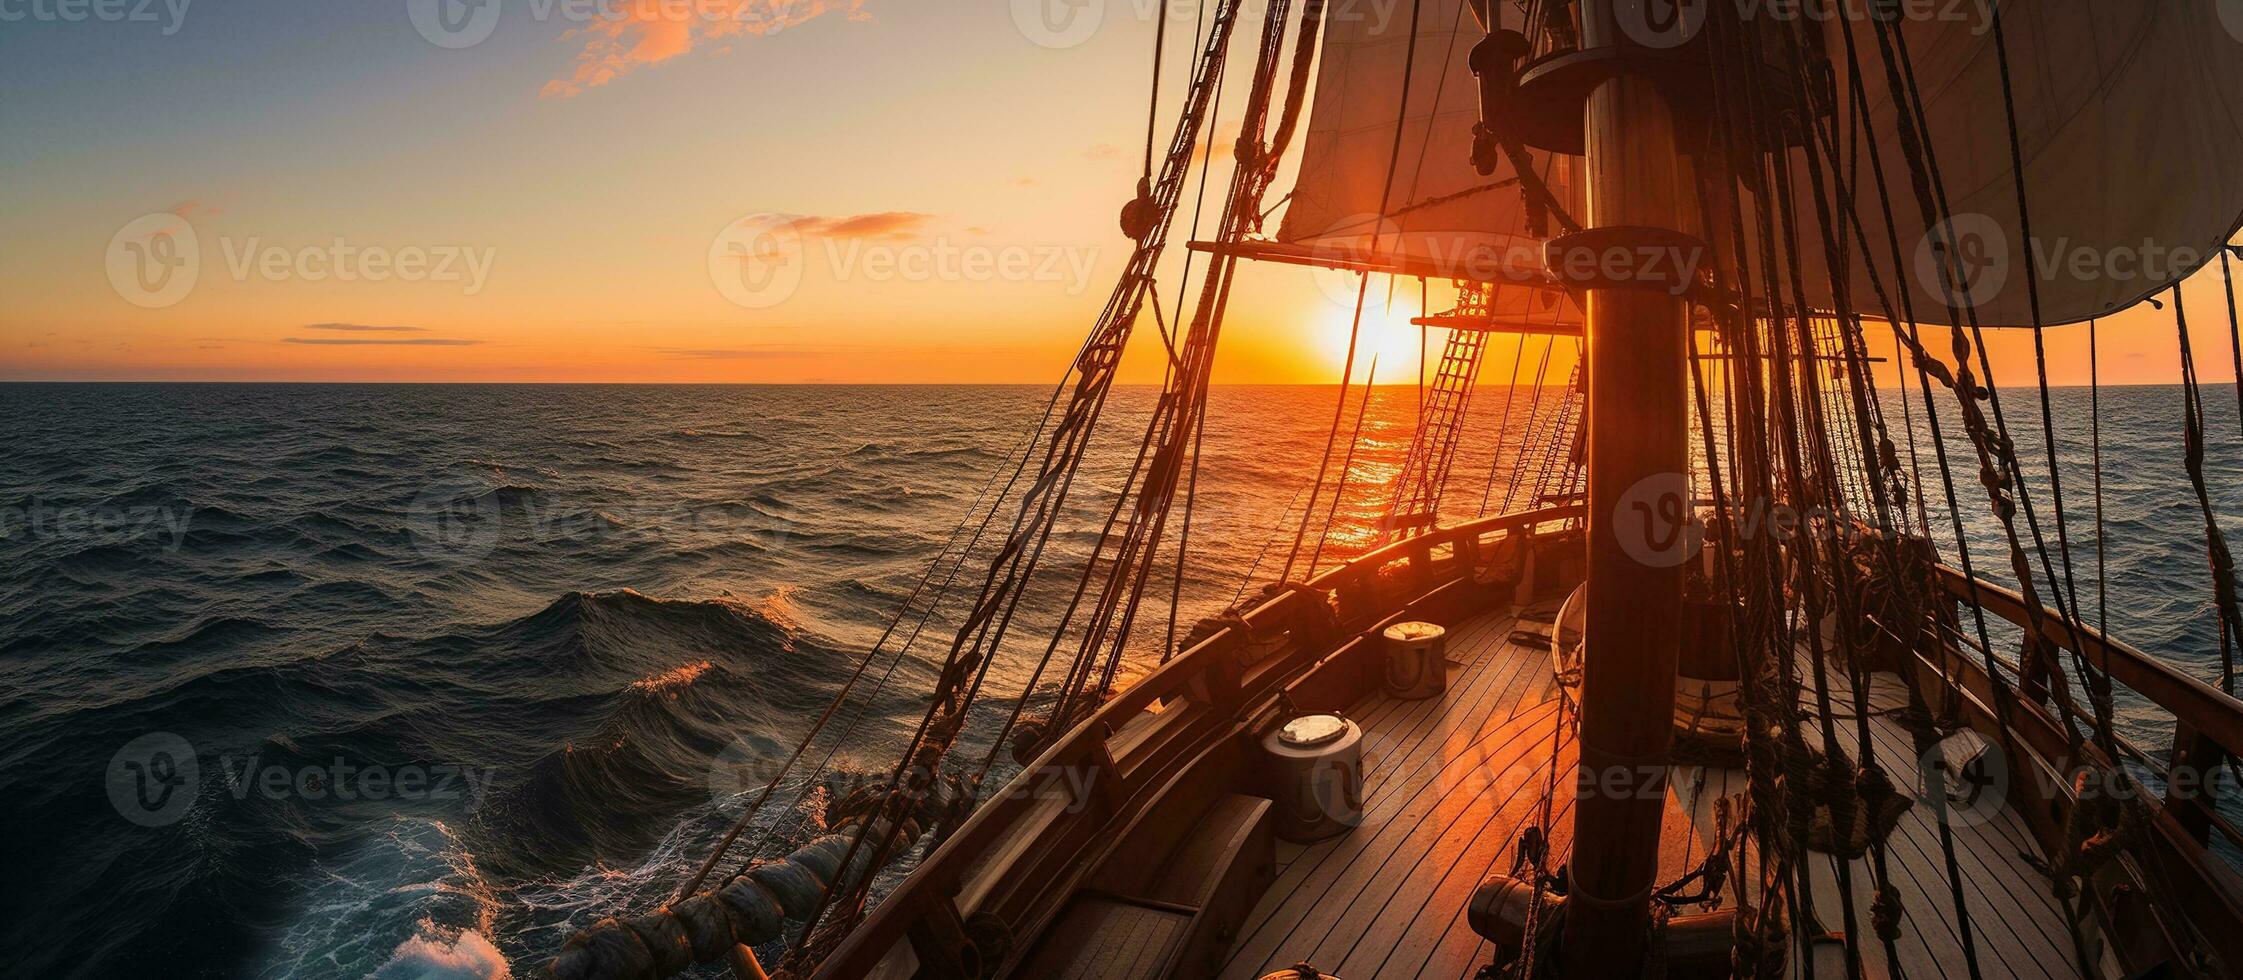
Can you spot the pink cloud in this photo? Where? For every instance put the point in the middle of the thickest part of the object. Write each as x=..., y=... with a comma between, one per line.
x=894, y=225
x=649, y=32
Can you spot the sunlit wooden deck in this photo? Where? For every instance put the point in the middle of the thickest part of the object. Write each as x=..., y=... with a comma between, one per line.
x=1451, y=783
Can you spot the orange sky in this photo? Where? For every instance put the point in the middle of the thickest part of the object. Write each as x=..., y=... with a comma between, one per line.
x=565, y=201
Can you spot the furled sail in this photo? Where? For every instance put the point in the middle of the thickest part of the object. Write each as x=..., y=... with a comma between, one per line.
x=2130, y=122
x=1442, y=217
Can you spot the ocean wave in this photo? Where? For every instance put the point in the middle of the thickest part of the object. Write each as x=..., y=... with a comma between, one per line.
x=739, y=549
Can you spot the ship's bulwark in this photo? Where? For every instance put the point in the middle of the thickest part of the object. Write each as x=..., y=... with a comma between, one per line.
x=284, y=602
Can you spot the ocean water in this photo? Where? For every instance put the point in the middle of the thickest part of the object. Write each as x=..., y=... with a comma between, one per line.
x=411, y=681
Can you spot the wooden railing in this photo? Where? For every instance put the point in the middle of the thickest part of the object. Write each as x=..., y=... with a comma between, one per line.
x=2208, y=726
x=2210, y=712
x=1025, y=844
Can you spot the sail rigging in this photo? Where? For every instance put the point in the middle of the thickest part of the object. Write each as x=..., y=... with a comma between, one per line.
x=1828, y=175
x=2129, y=122
x=1440, y=217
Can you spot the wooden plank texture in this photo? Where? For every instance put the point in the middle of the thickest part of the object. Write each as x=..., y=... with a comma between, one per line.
x=1451, y=784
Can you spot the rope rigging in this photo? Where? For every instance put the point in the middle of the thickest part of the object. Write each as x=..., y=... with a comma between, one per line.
x=728, y=915
x=1787, y=415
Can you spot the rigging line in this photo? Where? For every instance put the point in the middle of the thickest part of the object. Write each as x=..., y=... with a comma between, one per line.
x=811, y=780
x=1835, y=257
x=1347, y=467
x=1078, y=665
x=1339, y=411
x=1191, y=496
x=1184, y=539
x=1932, y=199
x=941, y=592
x=1922, y=184
x=1503, y=428
x=1182, y=409
x=1544, y=818
x=1440, y=87
x=2040, y=346
x=1526, y=438
x=1167, y=340
x=1296, y=93
x=1152, y=108
x=1207, y=86
x=2095, y=429
x=2018, y=558
x=1268, y=541
x=1766, y=578
x=1794, y=430
x=1206, y=166
x=1894, y=317
x=1272, y=209
x=2234, y=330
x=1750, y=691
x=1791, y=428
x=1017, y=561
x=902, y=609
x=1369, y=221
x=2223, y=562
x=1908, y=424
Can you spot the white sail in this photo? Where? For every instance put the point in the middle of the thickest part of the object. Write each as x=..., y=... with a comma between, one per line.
x=2130, y=117
x=1348, y=153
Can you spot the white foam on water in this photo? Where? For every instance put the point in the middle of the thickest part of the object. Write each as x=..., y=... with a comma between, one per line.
x=467, y=955
x=409, y=903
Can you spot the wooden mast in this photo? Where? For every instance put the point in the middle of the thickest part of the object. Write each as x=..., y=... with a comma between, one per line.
x=1638, y=512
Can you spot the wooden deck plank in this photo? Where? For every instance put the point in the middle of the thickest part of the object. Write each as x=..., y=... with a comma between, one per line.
x=1100, y=937
x=2014, y=917
x=1433, y=847
x=1422, y=746
x=1457, y=779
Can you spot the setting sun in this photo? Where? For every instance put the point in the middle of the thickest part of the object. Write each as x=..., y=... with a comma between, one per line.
x=1199, y=490
x=1387, y=336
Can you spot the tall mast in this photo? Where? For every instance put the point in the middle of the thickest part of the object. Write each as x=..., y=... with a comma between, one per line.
x=1638, y=510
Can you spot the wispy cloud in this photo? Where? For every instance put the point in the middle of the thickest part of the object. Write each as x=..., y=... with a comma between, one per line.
x=362, y=328
x=736, y=353
x=648, y=32
x=367, y=342
x=882, y=224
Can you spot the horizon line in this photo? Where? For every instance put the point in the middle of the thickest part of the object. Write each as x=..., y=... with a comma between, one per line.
x=877, y=384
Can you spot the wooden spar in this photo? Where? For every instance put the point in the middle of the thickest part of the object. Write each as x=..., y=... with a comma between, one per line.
x=1346, y=259
x=1496, y=324
x=1637, y=516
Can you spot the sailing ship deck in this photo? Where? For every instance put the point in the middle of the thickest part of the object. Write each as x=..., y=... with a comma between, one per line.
x=1450, y=783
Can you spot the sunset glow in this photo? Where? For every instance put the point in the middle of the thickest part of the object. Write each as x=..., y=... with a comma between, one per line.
x=543, y=199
